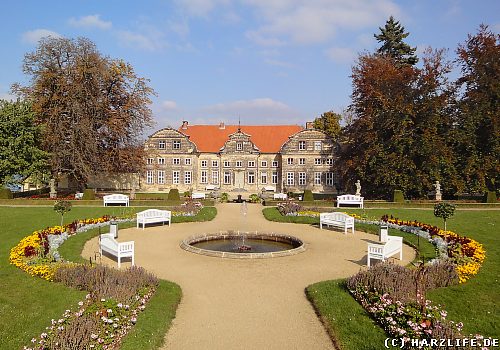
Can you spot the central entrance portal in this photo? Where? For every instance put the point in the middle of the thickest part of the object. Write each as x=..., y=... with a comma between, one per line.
x=239, y=179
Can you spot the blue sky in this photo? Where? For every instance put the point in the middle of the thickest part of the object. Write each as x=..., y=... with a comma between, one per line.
x=264, y=61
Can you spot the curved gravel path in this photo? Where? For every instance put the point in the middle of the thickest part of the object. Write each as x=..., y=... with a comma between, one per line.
x=246, y=304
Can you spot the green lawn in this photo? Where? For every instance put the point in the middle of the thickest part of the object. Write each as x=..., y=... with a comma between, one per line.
x=27, y=304
x=475, y=303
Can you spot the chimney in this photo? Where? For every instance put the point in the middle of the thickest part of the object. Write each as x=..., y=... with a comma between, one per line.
x=184, y=125
x=222, y=125
x=309, y=125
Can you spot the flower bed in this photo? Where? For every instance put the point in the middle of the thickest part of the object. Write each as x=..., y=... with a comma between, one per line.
x=467, y=254
x=108, y=311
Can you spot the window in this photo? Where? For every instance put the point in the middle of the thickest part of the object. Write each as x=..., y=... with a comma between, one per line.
x=162, y=144
x=187, y=161
x=227, y=178
x=239, y=163
x=274, y=178
x=317, y=145
x=149, y=176
x=227, y=164
x=251, y=164
x=176, y=175
x=302, y=179
x=263, y=164
x=251, y=177
x=204, y=163
x=289, y=179
x=161, y=161
x=317, y=161
x=289, y=161
x=302, y=161
x=176, y=144
x=263, y=177
x=215, y=163
x=176, y=161
x=187, y=177
x=215, y=177
x=317, y=178
x=330, y=179
x=239, y=146
x=329, y=161
x=161, y=176
x=204, y=177
x=275, y=164
x=151, y=160
x=302, y=145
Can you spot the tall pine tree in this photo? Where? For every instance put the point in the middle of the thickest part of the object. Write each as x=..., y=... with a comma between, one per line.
x=391, y=37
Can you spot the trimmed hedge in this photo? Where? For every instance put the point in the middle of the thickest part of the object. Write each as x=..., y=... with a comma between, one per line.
x=88, y=194
x=173, y=194
x=398, y=196
x=5, y=193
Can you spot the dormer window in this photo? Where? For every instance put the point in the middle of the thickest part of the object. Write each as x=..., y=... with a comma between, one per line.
x=239, y=146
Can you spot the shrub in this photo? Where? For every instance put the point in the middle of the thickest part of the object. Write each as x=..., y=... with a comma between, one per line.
x=490, y=197
x=308, y=196
x=105, y=282
x=224, y=197
x=5, y=193
x=254, y=198
x=88, y=194
x=289, y=208
x=75, y=335
x=62, y=207
x=398, y=196
x=173, y=195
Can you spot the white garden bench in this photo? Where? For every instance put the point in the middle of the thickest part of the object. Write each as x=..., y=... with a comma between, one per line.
x=281, y=196
x=151, y=216
x=198, y=195
x=120, y=250
x=270, y=188
x=350, y=199
x=116, y=199
x=384, y=250
x=210, y=188
x=338, y=220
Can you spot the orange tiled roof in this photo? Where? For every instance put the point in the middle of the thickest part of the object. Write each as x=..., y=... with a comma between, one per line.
x=267, y=138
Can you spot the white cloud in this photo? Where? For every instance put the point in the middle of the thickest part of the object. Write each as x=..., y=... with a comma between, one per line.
x=7, y=96
x=278, y=63
x=314, y=21
x=152, y=41
x=253, y=111
x=341, y=54
x=168, y=105
x=34, y=36
x=199, y=8
x=181, y=28
x=92, y=21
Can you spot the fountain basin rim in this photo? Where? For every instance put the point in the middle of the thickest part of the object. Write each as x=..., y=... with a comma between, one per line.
x=186, y=245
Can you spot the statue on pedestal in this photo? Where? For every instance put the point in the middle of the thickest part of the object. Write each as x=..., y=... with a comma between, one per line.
x=358, y=188
x=437, y=185
x=53, y=190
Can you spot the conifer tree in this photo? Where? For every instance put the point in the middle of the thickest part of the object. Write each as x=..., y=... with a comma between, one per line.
x=391, y=37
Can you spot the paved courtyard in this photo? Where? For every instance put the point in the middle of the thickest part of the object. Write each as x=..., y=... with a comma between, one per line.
x=246, y=304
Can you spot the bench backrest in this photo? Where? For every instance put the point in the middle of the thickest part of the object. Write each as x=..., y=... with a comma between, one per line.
x=336, y=216
x=349, y=197
x=115, y=196
x=149, y=213
x=108, y=241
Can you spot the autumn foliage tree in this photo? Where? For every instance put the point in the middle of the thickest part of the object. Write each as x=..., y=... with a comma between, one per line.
x=93, y=108
x=478, y=120
x=329, y=122
x=398, y=138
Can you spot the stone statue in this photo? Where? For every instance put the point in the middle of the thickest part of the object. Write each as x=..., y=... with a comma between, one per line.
x=53, y=190
x=358, y=188
x=437, y=185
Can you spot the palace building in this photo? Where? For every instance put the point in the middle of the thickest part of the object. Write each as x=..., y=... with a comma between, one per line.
x=251, y=158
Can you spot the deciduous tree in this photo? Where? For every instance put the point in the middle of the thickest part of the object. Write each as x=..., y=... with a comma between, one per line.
x=93, y=108
x=20, y=153
x=478, y=121
x=329, y=122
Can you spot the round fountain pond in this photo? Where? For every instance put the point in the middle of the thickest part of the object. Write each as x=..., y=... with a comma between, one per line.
x=243, y=245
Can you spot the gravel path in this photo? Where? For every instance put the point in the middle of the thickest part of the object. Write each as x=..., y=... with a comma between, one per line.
x=246, y=304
